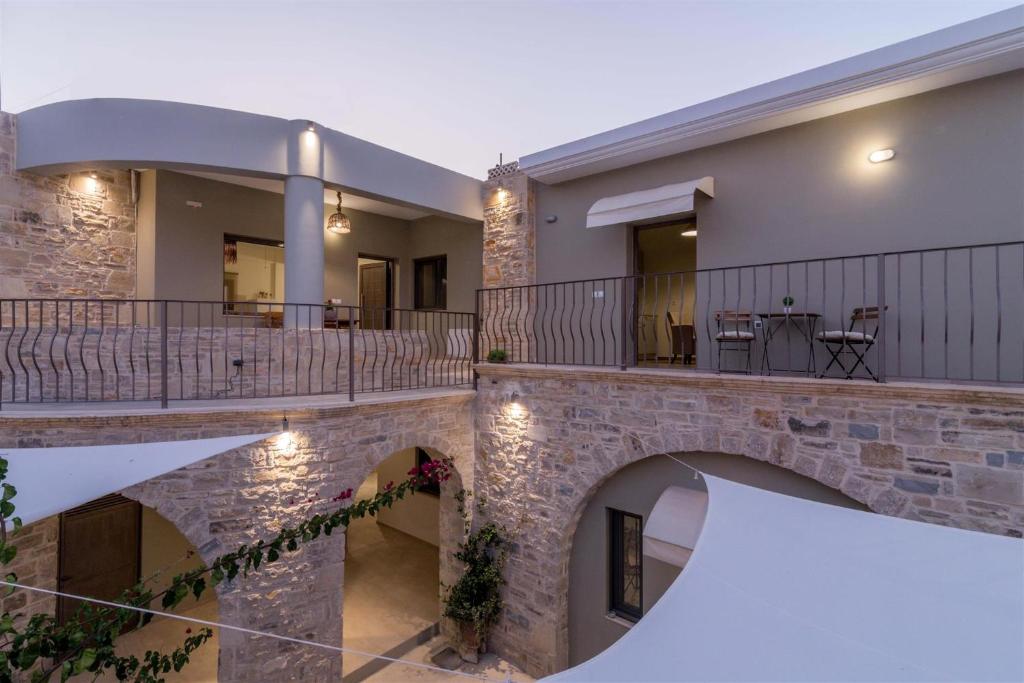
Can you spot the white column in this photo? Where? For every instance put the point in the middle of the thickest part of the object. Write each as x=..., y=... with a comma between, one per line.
x=304, y=223
x=303, y=240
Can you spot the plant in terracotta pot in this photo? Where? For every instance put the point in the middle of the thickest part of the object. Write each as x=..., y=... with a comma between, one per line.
x=497, y=356
x=474, y=601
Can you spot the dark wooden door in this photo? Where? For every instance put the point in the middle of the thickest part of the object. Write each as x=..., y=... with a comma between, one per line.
x=99, y=550
x=375, y=295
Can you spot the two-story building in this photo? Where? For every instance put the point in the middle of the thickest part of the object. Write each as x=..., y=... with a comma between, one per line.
x=813, y=286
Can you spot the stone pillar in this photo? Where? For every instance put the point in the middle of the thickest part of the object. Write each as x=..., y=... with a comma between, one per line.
x=509, y=261
x=304, y=221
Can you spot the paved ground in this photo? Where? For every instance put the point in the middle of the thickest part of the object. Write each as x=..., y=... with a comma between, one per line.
x=491, y=666
x=391, y=586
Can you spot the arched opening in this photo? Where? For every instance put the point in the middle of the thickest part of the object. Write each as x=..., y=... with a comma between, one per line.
x=612, y=581
x=107, y=546
x=392, y=569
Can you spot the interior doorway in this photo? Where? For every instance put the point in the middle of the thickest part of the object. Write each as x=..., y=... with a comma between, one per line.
x=376, y=291
x=664, y=263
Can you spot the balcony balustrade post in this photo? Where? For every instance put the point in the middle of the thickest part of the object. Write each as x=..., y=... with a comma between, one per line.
x=163, y=354
x=352, y=356
x=880, y=342
x=476, y=336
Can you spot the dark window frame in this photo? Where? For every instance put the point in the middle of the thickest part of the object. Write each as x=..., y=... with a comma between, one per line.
x=616, y=557
x=440, y=302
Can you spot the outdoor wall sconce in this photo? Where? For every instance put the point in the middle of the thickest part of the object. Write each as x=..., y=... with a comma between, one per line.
x=880, y=155
x=284, y=424
x=689, y=233
x=310, y=126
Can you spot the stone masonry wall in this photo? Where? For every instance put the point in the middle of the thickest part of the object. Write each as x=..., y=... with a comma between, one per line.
x=246, y=494
x=64, y=236
x=509, y=260
x=941, y=454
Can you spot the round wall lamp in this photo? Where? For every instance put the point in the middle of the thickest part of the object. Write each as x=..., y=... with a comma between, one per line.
x=880, y=155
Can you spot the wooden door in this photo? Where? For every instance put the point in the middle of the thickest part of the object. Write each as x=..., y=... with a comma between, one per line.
x=375, y=295
x=99, y=550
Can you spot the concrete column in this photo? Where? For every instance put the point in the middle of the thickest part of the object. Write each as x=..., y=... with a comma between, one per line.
x=303, y=240
x=304, y=221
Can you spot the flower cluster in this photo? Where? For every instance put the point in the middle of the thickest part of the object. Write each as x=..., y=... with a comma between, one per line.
x=431, y=472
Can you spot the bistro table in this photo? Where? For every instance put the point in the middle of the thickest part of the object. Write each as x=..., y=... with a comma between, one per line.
x=805, y=323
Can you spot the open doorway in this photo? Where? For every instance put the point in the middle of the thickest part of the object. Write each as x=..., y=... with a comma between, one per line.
x=392, y=576
x=376, y=291
x=665, y=261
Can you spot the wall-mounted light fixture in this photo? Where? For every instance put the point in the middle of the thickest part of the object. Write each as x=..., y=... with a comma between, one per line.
x=310, y=126
x=689, y=233
x=502, y=193
x=880, y=155
x=284, y=424
x=284, y=440
x=93, y=175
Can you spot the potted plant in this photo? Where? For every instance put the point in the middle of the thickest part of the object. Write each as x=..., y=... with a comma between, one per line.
x=497, y=356
x=787, y=304
x=474, y=601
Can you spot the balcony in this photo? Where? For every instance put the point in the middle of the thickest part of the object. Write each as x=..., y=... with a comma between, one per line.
x=948, y=315
x=58, y=351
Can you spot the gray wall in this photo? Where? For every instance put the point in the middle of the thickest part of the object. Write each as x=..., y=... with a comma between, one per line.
x=808, y=191
x=636, y=489
x=180, y=247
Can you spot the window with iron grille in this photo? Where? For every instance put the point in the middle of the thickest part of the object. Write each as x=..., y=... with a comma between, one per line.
x=626, y=557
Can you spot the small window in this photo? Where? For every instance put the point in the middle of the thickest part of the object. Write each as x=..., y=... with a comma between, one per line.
x=434, y=487
x=431, y=282
x=626, y=555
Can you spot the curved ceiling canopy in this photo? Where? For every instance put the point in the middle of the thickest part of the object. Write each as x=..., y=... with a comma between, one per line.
x=665, y=202
x=122, y=133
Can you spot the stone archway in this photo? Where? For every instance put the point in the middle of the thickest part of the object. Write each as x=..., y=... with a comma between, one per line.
x=634, y=489
x=396, y=563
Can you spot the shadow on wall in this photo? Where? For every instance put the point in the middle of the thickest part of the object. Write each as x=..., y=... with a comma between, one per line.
x=600, y=596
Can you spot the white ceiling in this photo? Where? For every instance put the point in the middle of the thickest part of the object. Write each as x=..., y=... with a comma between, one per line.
x=349, y=200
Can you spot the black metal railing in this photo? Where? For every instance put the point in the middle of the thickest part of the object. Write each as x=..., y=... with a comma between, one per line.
x=87, y=350
x=951, y=314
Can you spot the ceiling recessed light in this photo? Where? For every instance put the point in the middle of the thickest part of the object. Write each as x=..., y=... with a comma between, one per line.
x=880, y=155
x=689, y=233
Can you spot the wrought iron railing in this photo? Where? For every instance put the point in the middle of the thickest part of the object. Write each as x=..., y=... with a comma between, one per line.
x=87, y=350
x=949, y=314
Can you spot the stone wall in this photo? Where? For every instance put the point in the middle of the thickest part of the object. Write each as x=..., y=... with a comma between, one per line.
x=64, y=236
x=509, y=260
x=548, y=437
x=246, y=494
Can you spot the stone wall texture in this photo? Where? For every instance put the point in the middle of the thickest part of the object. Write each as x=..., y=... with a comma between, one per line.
x=509, y=256
x=547, y=438
x=64, y=236
x=247, y=494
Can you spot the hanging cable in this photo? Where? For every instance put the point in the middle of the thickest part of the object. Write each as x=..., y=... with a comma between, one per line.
x=253, y=632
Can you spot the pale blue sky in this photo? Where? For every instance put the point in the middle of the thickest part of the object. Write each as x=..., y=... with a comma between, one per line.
x=454, y=83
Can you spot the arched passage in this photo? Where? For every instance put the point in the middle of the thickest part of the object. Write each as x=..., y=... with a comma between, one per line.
x=107, y=546
x=611, y=581
x=395, y=564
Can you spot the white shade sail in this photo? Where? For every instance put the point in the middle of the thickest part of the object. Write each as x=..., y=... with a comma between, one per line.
x=674, y=525
x=664, y=202
x=51, y=480
x=784, y=589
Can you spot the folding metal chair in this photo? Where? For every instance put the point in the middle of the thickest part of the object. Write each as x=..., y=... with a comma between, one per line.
x=855, y=341
x=735, y=333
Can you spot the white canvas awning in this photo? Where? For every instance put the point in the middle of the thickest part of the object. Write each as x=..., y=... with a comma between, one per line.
x=51, y=480
x=784, y=589
x=664, y=202
x=674, y=525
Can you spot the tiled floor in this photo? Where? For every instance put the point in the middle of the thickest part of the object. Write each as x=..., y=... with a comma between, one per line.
x=391, y=587
x=490, y=665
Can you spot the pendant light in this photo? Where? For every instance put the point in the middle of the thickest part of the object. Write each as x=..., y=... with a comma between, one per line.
x=339, y=223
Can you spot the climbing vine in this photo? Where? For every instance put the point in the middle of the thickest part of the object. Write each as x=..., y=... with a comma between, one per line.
x=43, y=648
